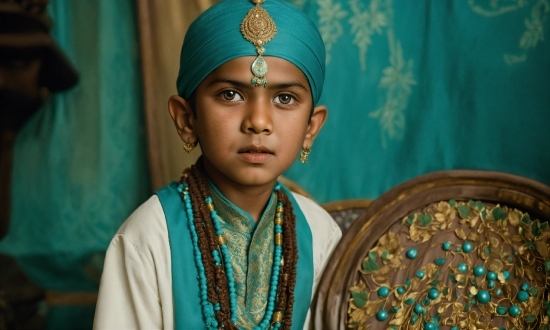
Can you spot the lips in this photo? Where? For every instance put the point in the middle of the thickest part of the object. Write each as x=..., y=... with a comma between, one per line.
x=254, y=149
x=255, y=154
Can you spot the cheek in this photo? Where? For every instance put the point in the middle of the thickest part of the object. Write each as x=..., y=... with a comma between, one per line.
x=295, y=127
x=215, y=135
x=292, y=139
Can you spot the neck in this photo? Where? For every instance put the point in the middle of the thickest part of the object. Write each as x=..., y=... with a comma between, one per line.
x=250, y=198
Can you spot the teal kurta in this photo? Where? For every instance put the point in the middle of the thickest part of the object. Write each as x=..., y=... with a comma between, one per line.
x=187, y=308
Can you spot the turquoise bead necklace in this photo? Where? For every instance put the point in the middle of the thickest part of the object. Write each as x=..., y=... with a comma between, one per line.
x=208, y=308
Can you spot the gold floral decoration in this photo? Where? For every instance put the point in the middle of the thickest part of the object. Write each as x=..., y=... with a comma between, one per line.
x=456, y=265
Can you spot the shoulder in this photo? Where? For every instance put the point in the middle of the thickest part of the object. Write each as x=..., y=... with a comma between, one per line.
x=324, y=231
x=137, y=274
x=321, y=223
x=145, y=227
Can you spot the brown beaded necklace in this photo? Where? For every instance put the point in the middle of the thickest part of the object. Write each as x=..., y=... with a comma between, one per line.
x=217, y=282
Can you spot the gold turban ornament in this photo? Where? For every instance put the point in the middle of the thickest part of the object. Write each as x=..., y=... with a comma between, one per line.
x=258, y=28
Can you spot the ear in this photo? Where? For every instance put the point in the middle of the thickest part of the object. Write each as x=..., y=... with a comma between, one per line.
x=316, y=122
x=182, y=115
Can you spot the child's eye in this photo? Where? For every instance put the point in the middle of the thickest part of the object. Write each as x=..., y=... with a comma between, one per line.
x=231, y=95
x=284, y=99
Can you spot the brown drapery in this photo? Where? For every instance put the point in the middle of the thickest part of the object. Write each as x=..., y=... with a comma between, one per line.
x=162, y=27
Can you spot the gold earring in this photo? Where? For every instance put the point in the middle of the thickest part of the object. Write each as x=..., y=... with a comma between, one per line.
x=188, y=146
x=304, y=154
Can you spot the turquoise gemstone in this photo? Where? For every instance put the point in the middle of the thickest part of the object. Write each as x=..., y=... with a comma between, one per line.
x=479, y=271
x=462, y=268
x=522, y=296
x=383, y=292
x=446, y=246
x=418, y=309
x=454, y=328
x=501, y=310
x=458, y=249
x=412, y=253
x=499, y=292
x=395, y=309
x=491, y=284
x=491, y=276
x=430, y=326
x=381, y=315
x=420, y=274
x=400, y=290
x=467, y=247
x=433, y=293
x=440, y=261
x=259, y=67
x=525, y=286
x=514, y=310
x=483, y=296
x=506, y=275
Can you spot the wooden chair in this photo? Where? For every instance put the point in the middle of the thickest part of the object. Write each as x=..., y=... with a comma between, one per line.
x=427, y=251
x=345, y=212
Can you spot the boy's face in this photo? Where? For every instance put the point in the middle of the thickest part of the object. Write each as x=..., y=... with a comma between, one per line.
x=250, y=135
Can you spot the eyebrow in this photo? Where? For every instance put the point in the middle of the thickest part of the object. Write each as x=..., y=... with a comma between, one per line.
x=236, y=83
x=248, y=84
x=286, y=85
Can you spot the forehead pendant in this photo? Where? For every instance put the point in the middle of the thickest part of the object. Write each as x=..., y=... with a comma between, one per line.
x=258, y=28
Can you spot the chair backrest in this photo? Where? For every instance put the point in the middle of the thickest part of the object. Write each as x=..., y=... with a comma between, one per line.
x=454, y=248
x=346, y=211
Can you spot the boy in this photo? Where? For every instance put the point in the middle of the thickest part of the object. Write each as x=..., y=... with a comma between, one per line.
x=229, y=246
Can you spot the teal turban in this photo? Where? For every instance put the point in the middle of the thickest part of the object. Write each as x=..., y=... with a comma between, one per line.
x=215, y=38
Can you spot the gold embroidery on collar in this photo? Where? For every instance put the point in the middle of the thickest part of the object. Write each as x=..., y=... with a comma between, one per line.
x=252, y=256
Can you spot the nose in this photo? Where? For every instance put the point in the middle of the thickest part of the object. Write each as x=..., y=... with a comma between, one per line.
x=258, y=119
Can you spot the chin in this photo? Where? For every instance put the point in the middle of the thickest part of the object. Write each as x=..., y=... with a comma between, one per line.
x=256, y=182
x=253, y=178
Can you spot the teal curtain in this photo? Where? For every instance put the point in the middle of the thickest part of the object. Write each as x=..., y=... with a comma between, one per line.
x=80, y=165
x=419, y=86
